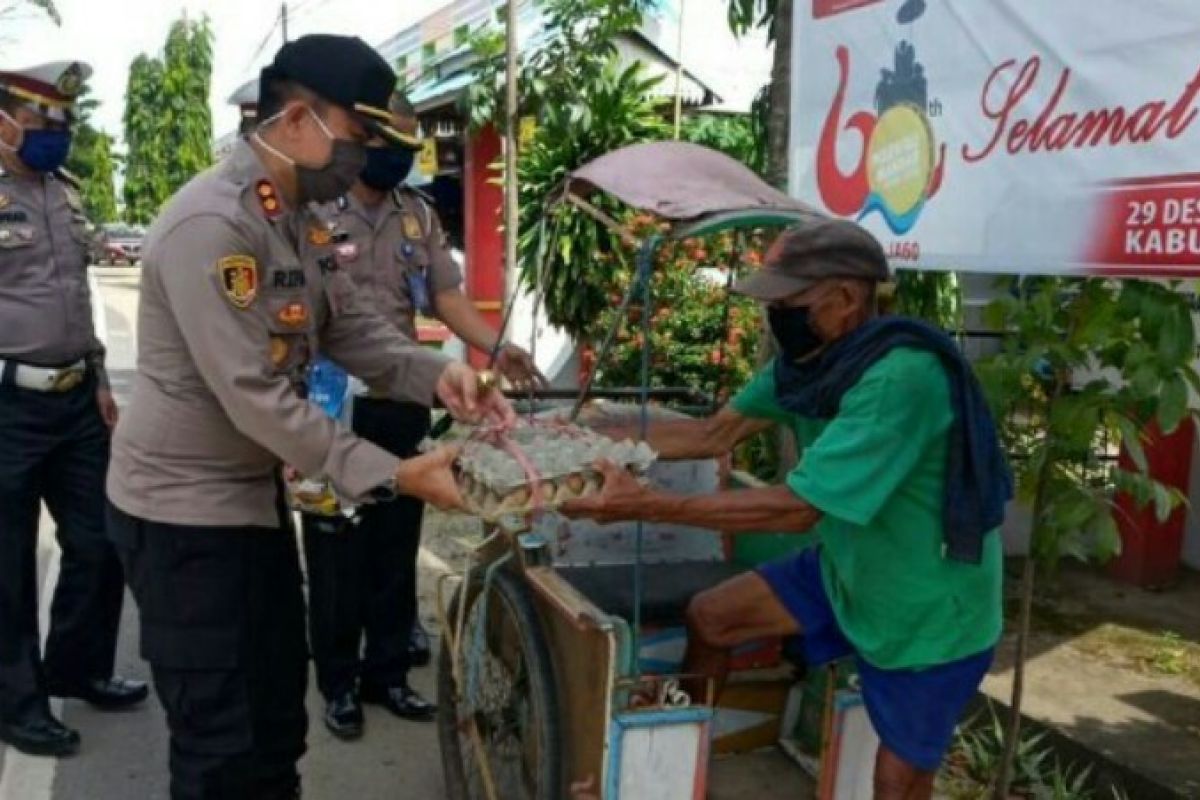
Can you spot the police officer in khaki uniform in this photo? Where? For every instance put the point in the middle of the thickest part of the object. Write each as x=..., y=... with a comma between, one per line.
x=55, y=413
x=362, y=577
x=230, y=316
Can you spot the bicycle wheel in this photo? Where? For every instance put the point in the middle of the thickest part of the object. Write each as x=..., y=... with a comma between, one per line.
x=510, y=693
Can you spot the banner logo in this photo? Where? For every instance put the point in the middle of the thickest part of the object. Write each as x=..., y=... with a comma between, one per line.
x=901, y=165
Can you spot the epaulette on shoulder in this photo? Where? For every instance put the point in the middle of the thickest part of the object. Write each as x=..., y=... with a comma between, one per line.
x=69, y=178
x=399, y=192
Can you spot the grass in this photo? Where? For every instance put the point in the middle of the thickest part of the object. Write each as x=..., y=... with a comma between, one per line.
x=1157, y=654
x=1152, y=653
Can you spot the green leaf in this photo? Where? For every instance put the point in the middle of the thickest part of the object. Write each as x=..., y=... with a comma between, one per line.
x=1177, y=335
x=1132, y=441
x=1107, y=536
x=1173, y=403
x=1165, y=501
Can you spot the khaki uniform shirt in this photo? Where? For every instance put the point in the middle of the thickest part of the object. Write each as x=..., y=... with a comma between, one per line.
x=230, y=318
x=45, y=305
x=384, y=249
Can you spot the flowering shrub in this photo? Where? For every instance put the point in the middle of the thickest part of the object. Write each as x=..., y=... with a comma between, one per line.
x=701, y=336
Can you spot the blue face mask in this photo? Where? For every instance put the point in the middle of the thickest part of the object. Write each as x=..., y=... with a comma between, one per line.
x=41, y=150
x=45, y=150
x=386, y=167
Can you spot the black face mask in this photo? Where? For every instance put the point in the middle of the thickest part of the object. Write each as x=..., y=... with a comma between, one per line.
x=386, y=167
x=793, y=332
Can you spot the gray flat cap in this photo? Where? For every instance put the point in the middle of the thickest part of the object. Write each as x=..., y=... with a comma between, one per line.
x=813, y=251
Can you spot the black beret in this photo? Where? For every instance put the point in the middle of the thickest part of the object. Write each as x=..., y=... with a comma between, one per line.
x=342, y=70
x=826, y=247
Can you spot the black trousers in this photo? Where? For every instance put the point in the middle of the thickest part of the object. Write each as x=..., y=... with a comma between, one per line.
x=54, y=448
x=362, y=579
x=222, y=625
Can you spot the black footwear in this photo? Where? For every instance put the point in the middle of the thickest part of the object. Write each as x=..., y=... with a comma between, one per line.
x=40, y=737
x=418, y=646
x=106, y=694
x=344, y=716
x=401, y=701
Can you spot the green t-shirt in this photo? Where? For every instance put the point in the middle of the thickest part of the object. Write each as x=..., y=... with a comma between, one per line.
x=877, y=473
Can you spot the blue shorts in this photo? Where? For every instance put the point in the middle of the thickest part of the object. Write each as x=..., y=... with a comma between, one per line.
x=914, y=711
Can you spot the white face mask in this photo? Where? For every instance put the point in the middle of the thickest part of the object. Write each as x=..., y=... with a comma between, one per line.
x=326, y=183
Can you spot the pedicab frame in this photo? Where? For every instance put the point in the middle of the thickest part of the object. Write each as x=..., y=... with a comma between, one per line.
x=536, y=621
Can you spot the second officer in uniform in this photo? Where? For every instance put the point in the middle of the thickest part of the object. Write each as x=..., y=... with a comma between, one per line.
x=362, y=578
x=230, y=317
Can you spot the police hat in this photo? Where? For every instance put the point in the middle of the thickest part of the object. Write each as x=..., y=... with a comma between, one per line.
x=344, y=71
x=48, y=89
x=813, y=251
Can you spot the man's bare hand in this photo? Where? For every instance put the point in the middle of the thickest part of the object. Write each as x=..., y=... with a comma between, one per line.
x=458, y=389
x=623, y=497
x=430, y=477
x=108, y=408
x=517, y=366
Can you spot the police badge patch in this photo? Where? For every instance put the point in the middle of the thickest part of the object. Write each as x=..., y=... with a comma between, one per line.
x=412, y=228
x=239, y=279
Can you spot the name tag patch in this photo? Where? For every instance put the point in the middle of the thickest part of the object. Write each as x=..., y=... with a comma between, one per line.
x=287, y=279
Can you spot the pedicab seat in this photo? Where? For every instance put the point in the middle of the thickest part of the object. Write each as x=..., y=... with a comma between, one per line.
x=666, y=588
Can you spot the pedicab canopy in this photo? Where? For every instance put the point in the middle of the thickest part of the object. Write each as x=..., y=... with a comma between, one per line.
x=1005, y=136
x=699, y=189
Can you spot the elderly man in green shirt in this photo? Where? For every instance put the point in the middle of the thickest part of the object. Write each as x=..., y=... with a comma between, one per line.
x=900, y=478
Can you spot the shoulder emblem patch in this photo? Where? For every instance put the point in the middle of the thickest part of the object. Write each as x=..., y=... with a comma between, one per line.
x=412, y=227
x=293, y=314
x=267, y=198
x=239, y=279
x=319, y=235
x=279, y=350
x=4, y=201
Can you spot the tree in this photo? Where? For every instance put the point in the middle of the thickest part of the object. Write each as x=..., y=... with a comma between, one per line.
x=91, y=160
x=186, y=118
x=1083, y=362
x=168, y=125
x=585, y=104
x=774, y=104
x=735, y=135
x=145, y=161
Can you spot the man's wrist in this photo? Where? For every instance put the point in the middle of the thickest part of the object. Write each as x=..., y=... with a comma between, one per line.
x=660, y=506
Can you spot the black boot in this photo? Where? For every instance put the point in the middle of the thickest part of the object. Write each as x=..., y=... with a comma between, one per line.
x=401, y=701
x=41, y=736
x=344, y=716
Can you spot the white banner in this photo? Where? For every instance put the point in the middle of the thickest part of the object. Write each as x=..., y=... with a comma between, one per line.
x=1027, y=136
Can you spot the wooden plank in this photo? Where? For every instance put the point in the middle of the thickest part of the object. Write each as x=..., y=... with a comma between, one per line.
x=583, y=656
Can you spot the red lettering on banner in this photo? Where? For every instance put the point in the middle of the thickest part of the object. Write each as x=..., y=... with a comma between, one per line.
x=1053, y=131
x=1151, y=225
x=828, y=8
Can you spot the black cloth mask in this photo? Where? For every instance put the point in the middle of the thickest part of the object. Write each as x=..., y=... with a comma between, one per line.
x=793, y=332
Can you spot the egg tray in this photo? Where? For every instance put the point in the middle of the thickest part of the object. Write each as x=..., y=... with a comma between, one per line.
x=539, y=465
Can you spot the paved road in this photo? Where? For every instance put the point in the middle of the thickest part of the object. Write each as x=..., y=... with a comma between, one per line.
x=124, y=755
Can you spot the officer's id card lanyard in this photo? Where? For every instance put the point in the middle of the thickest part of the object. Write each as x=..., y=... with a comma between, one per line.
x=418, y=289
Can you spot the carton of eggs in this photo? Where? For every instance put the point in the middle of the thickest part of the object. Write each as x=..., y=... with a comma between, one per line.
x=539, y=466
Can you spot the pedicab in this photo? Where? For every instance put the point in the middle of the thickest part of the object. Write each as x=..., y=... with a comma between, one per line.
x=563, y=642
